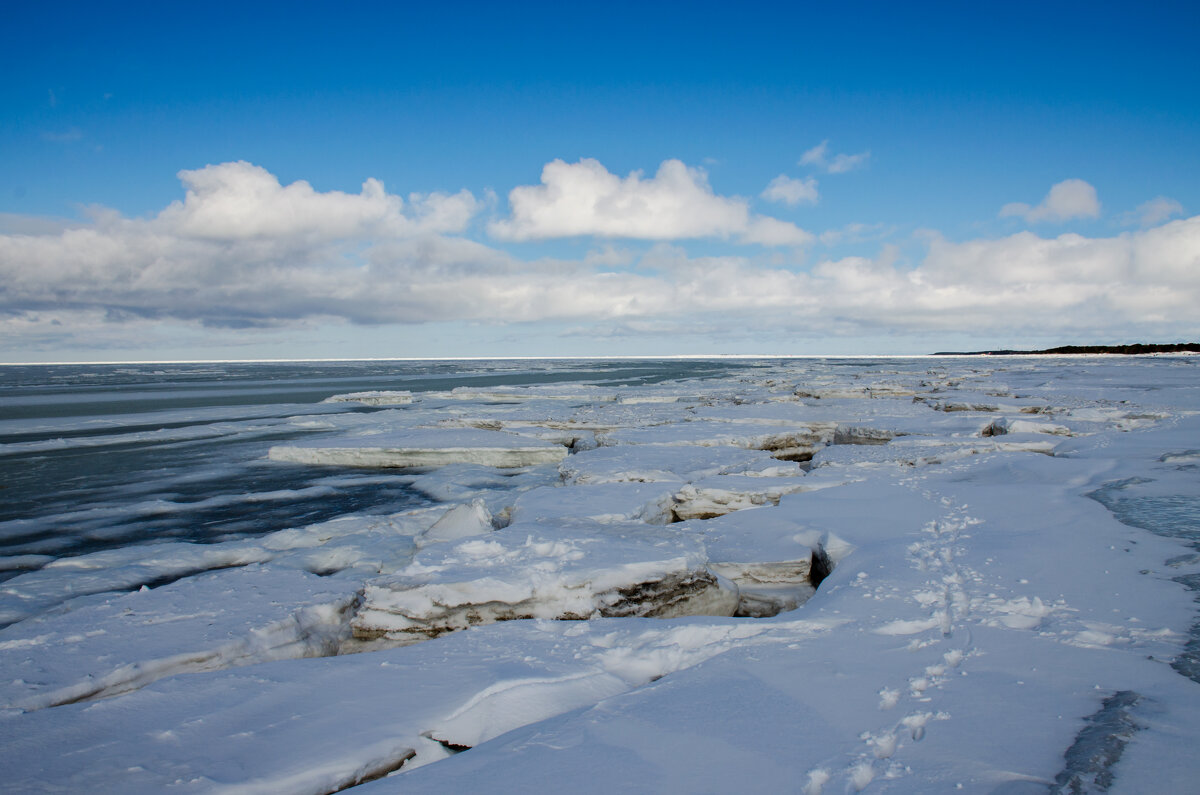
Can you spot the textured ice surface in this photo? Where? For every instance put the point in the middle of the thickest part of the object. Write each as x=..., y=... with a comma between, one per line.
x=544, y=571
x=653, y=462
x=1004, y=549
x=203, y=623
x=423, y=448
x=375, y=397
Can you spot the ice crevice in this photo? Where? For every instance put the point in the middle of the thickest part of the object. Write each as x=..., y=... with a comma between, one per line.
x=1099, y=745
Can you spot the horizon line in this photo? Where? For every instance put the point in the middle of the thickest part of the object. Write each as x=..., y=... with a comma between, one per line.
x=637, y=357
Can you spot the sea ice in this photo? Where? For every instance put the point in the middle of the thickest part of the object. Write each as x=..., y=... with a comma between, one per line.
x=203, y=623
x=373, y=398
x=544, y=570
x=423, y=448
x=927, y=608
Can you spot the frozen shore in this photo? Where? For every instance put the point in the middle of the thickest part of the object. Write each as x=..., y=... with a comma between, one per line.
x=800, y=576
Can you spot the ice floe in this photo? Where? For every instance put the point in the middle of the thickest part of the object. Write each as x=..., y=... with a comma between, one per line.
x=423, y=448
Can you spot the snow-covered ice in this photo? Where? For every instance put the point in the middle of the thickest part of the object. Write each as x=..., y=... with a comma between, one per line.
x=423, y=448
x=913, y=576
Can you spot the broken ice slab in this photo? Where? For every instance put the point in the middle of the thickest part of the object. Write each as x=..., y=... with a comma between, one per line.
x=1003, y=426
x=655, y=462
x=795, y=443
x=926, y=451
x=373, y=398
x=126, y=568
x=775, y=561
x=461, y=521
x=722, y=494
x=578, y=571
x=322, y=725
x=213, y=621
x=429, y=447
x=600, y=502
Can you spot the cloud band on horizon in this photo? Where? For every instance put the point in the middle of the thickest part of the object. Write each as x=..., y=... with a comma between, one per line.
x=241, y=250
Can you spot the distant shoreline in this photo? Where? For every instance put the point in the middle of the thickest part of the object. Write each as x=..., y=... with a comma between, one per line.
x=1136, y=348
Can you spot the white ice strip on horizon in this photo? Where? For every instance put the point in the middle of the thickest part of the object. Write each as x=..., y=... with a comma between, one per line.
x=563, y=392
x=423, y=448
x=373, y=398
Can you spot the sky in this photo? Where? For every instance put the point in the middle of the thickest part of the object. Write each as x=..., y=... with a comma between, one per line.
x=371, y=180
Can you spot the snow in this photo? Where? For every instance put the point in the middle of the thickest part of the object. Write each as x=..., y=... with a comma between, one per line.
x=981, y=581
x=208, y=622
x=543, y=571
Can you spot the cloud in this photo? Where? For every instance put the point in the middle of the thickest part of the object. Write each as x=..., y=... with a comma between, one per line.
x=311, y=257
x=1071, y=198
x=819, y=157
x=17, y=224
x=239, y=249
x=1152, y=213
x=240, y=201
x=791, y=191
x=856, y=233
x=584, y=198
x=64, y=137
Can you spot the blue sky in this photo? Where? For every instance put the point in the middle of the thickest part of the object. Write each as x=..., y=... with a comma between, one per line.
x=865, y=178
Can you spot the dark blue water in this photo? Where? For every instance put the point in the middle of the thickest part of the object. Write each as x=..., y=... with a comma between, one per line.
x=1171, y=515
x=96, y=456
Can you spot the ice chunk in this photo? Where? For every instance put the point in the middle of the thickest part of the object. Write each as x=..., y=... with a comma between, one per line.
x=580, y=393
x=795, y=443
x=373, y=398
x=460, y=521
x=204, y=623
x=542, y=571
x=120, y=569
x=925, y=451
x=722, y=494
x=601, y=502
x=1004, y=426
x=423, y=448
x=654, y=462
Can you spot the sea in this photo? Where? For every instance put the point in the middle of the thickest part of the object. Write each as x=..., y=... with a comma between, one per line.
x=99, y=456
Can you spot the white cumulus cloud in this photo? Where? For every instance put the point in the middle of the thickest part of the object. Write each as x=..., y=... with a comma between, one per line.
x=1153, y=212
x=242, y=201
x=791, y=191
x=585, y=198
x=374, y=258
x=1071, y=198
x=819, y=157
